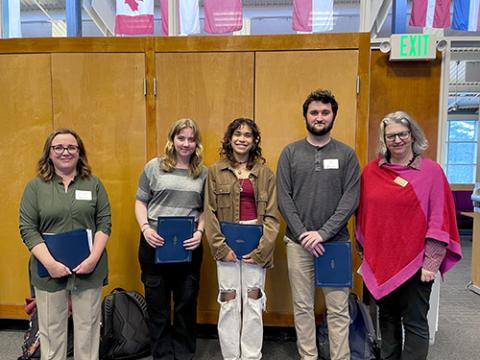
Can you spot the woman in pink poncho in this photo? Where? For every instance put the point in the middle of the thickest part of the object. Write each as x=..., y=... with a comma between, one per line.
x=407, y=230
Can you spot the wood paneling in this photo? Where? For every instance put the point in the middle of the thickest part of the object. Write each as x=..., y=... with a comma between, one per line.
x=344, y=41
x=101, y=97
x=213, y=89
x=95, y=85
x=411, y=86
x=26, y=118
x=73, y=45
x=283, y=81
x=182, y=44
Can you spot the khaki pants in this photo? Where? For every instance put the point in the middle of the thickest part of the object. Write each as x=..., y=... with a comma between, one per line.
x=52, y=322
x=302, y=282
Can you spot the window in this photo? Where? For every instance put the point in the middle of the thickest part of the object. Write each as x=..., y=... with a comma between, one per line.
x=461, y=149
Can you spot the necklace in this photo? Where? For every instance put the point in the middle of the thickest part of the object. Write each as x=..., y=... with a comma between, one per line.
x=241, y=168
x=240, y=184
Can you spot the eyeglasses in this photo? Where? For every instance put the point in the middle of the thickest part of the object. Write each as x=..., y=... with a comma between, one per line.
x=404, y=135
x=59, y=149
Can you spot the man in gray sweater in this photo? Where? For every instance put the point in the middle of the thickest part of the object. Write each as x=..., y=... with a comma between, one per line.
x=318, y=191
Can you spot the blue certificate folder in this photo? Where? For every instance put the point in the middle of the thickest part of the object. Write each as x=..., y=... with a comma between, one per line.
x=70, y=248
x=334, y=267
x=242, y=238
x=175, y=230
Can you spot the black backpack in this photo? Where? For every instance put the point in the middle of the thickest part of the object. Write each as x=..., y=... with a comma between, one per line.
x=31, y=338
x=362, y=338
x=124, y=333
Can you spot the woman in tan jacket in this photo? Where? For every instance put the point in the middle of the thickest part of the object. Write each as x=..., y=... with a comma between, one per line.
x=240, y=188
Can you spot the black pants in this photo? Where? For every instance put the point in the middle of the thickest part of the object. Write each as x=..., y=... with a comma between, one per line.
x=177, y=339
x=407, y=305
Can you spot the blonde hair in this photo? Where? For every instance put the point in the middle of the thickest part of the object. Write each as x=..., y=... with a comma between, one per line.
x=420, y=142
x=45, y=167
x=170, y=156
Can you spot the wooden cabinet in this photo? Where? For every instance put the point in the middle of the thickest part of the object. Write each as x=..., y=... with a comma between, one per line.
x=26, y=118
x=122, y=94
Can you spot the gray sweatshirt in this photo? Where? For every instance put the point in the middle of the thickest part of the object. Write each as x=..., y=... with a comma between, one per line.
x=318, y=188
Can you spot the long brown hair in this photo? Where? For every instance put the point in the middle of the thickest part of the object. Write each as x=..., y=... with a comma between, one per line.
x=45, y=167
x=170, y=157
x=255, y=154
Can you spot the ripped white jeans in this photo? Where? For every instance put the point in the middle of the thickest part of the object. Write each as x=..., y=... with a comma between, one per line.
x=240, y=323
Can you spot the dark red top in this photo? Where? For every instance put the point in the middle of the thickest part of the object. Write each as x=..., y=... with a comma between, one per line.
x=248, y=209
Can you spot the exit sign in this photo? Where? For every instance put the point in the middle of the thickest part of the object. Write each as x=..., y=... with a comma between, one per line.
x=413, y=47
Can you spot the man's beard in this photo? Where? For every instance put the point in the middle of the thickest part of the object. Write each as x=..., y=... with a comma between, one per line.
x=319, y=132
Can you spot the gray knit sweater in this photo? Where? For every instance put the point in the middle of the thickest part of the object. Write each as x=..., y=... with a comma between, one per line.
x=318, y=188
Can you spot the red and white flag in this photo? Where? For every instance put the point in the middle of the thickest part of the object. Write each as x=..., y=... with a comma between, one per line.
x=134, y=17
x=430, y=13
x=312, y=15
x=223, y=16
x=188, y=17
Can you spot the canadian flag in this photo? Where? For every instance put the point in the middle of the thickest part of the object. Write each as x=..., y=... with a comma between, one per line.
x=430, y=13
x=312, y=15
x=134, y=17
x=188, y=17
x=223, y=16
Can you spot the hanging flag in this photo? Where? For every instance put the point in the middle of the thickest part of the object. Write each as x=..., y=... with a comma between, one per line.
x=430, y=13
x=223, y=16
x=466, y=15
x=134, y=17
x=12, y=26
x=312, y=15
x=188, y=17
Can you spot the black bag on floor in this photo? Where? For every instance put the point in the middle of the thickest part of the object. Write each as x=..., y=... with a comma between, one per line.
x=31, y=338
x=362, y=339
x=124, y=333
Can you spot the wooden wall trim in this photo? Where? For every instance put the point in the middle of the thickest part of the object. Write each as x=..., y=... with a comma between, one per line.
x=12, y=312
x=338, y=41
x=468, y=187
x=73, y=45
x=151, y=140
x=361, y=141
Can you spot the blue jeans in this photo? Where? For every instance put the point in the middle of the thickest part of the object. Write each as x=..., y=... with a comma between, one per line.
x=407, y=305
x=177, y=339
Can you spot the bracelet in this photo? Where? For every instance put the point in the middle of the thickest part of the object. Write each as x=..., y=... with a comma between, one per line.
x=144, y=226
x=200, y=230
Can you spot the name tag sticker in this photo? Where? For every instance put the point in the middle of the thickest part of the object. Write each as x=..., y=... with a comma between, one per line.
x=400, y=181
x=330, y=164
x=83, y=195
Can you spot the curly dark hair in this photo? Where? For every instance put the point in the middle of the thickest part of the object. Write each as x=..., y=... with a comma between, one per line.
x=255, y=154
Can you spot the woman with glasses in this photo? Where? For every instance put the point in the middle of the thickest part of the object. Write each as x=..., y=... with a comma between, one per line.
x=172, y=185
x=241, y=188
x=65, y=196
x=407, y=232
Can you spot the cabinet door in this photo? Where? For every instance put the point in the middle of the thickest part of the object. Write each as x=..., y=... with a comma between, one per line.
x=213, y=89
x=283, y=81
x=101, y=97
x=26, y=118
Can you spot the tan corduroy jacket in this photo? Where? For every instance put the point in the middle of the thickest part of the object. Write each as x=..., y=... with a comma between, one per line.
x=222, y=203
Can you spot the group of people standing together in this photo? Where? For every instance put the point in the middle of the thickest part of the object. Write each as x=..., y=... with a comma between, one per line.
x=406, y=232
